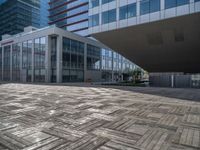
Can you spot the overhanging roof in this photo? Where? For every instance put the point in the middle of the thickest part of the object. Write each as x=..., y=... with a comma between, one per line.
x=170, y=45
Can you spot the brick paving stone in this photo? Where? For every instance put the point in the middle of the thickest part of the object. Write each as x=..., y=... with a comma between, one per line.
x=76, y=117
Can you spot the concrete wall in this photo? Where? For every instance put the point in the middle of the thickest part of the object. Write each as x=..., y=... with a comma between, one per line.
x=174, y=80
x=92, y=76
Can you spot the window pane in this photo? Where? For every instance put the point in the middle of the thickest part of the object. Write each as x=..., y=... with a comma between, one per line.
x=154, y=5
x=123, y=12
x=104, y=17
x=144, y=7
x=106, y=1
x=94, y=3
x=170, y=3
x=182, y=2
x=132, y=10
x=112, y=15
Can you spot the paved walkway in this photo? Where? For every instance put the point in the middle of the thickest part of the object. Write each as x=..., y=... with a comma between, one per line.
x=47, y=117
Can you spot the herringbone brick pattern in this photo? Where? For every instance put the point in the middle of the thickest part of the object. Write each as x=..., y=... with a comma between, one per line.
x=42, y=117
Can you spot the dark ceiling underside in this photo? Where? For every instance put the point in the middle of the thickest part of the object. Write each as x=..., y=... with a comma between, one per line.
x=170, y=45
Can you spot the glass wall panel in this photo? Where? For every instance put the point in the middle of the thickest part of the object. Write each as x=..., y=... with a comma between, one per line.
x=6, y=65
x=16, y=62
x=175, y=3
x=39, y=59
x=94, y=20
x=1, y=63
x=73, y=60
x=127, y=11
x=149, y=6
x=106, y=1
x=53, y=58
x=94, y=3
x=93, y=57
x=27, y=60
x=109, y=16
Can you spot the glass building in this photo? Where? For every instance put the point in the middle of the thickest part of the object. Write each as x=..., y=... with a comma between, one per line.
x=44, y=13
x=73, y=16
x=49, y=54
x=17, y=14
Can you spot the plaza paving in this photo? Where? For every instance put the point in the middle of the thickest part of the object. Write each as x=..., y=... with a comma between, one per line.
x=47, y=117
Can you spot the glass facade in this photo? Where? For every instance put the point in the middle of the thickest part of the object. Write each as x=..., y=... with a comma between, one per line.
x=94, y=3
x=175, y=3
x=93, y=57
x=94, y=20
x=53, y=58
x=127, y=11
x=106, y=1
x=73, y=61
x=19, y=59
x=17, y=14
x=109, y=16
x=1, y=63
x=149, y=6
x=27, y=60
x=71, y=16
x=39, y=59
x=16, y=62
x=44, y=13
x=6, y=63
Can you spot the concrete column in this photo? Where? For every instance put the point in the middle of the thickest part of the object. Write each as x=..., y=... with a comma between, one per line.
x=85, y=61
x=59, y=50
x=2, y=63
x=172, y=80
x=48, y=59
x=21, y=73
x=11, y=70
x=138, y=11
x=162, y=4
x=112, y=66
x=32, y=61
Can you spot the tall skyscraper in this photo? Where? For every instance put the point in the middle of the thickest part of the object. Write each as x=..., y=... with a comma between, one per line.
x=17, y=14
x=44, y=13
x=2, y=1
x=70, y=15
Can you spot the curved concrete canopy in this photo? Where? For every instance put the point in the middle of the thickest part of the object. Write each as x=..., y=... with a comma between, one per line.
x=170, y=45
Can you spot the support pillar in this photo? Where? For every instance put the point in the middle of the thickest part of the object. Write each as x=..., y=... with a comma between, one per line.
x=20, y=66
x=32, y=61
x=172, y=80
x=48, y=59
x=11, y=53
x=59, y=50
x=112, y=66
x=2, y=63
x=85, y=61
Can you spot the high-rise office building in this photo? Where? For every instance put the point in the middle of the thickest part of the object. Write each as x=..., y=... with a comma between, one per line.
x=72, y=15
x=17, y=14
x=44, y=13
x=2, y=1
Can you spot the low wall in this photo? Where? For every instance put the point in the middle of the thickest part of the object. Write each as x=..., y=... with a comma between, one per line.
x=174, y=80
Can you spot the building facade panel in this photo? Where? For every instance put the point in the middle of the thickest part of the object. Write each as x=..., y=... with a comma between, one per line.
x=134, y=12
x=54, y=55
x=73, y=16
